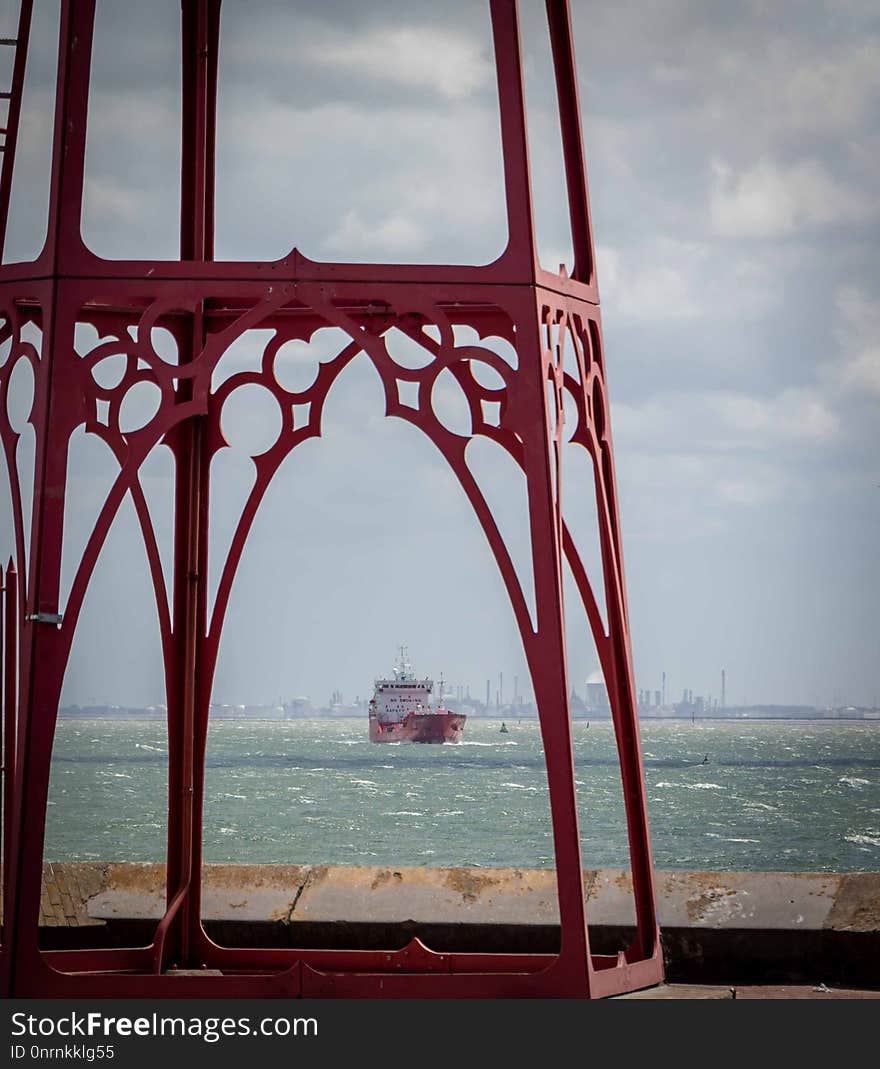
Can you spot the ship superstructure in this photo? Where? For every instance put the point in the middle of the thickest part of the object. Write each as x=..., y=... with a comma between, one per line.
x=401, y=709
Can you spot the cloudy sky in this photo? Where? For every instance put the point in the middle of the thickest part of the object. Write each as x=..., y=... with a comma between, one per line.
x=734, y=161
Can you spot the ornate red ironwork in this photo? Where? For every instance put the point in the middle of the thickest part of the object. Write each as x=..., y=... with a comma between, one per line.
x=552, y=324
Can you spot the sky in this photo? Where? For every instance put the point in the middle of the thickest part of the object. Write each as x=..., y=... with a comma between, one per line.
x=733, y=152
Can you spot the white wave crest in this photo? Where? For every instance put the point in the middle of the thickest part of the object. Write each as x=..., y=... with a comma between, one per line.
x=693, y=786
x=863, y=840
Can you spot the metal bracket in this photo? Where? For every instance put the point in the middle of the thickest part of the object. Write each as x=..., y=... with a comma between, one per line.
x=44, y=618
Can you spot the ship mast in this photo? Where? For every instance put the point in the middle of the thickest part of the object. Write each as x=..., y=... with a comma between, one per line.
x=403, y=669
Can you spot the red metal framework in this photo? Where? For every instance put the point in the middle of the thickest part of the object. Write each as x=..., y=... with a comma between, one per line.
x=552, y=322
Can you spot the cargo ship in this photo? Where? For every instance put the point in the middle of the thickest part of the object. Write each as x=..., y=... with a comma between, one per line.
x=401, y=710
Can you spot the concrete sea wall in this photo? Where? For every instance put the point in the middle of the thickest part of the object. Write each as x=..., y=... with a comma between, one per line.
x=717, y=927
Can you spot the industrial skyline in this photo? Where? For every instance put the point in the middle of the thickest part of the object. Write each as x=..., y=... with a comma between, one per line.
x=490, y=698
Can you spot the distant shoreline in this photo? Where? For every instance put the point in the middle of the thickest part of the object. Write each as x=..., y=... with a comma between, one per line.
x=871, y=718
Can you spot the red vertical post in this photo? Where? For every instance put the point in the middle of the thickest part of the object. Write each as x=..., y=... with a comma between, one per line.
x=9, y=646
x=204, y=147
x=5, y=799
x=11, y=781
x=559, y=20
x=200, y=30
x=548, y=661
x=514, y=141
x=41, y=655
x=624, y=709
x=13, y=115
x=4, y=706
x=622, y=685
x=187, y=705
x=4, y=710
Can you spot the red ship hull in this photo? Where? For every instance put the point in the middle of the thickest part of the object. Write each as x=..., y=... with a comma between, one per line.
x=419, y=727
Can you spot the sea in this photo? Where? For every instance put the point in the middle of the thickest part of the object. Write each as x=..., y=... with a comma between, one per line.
x=722, y=795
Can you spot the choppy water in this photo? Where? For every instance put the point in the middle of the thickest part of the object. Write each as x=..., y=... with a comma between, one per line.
x=792, y=795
